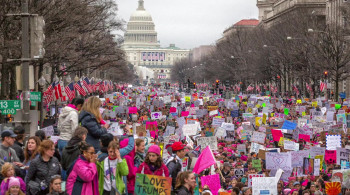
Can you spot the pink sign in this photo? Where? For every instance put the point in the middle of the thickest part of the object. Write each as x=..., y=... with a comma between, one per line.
x=132, y=110
x=213, y=181
x=304, y=137
x=276, y=134
x=330, y=156
x=172, y=109
x=151, y=124
x=185, y=113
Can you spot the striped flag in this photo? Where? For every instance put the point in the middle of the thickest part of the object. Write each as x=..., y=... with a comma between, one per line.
x=80, y=88
x=86, y=84
x=323, y=86
x=102, y=87
x=70, y=91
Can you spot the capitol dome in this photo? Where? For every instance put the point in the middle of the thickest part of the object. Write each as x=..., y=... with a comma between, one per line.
x=140, y=29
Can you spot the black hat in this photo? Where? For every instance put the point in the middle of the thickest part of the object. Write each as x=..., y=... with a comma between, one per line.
x=19, y=130
x=8, y=133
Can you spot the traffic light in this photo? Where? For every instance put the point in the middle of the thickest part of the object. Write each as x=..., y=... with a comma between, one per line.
x=194, y=85
x=217, y=83
x=325, y=74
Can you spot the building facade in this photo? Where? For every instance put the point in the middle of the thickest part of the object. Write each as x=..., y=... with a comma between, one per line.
x=143, y=50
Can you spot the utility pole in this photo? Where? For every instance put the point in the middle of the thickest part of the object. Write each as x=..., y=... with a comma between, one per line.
x=25, y=65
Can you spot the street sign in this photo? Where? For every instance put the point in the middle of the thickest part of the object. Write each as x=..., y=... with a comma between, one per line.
x=35, y=96
x=10, y=104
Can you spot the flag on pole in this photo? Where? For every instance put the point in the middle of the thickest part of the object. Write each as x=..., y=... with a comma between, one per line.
x=86, y=84
x=69, y=89
x=80, y=89
x=205, y=160
x=323, y=86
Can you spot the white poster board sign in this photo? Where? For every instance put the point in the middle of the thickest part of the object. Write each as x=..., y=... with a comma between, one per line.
x=264, y=185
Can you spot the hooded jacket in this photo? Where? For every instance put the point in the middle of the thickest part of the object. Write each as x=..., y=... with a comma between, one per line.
x=70, y=153
x=67, y=122
x=94, y=128
x=83, y=179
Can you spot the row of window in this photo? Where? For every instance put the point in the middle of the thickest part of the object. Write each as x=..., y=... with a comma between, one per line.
x=141, y=27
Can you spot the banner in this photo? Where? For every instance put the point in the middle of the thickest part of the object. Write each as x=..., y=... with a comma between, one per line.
x=208, y=141
x=276, y=160
x=152, y=184
x=264, y=185
x=213, y=182
x=258, y=137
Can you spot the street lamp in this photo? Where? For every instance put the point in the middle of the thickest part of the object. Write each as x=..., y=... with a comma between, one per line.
x=42, y=81
x=76, y=78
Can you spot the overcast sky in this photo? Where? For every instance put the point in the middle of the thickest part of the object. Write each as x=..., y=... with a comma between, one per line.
x=191, y=23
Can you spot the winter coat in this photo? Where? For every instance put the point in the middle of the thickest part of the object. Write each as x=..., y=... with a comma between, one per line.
x=122, y=170
x=94, y=128
x=139, y=158
x=183, y=191
x=41, y=172
x=174, y=167
x=67, y=122
x=132, y=169
x=18, y=147
x=70, y=153
x=5, y=185
x=162, y=171
x=83, y=178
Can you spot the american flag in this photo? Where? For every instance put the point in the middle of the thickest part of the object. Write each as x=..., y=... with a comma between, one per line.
x=323, y=86
x=70, y=91
x=250, y=88
x=102, y=87
x=162, y=76
x=308, y=87
x=48, y=97
x=86, y=84
x=80, y=89
x=296, y=89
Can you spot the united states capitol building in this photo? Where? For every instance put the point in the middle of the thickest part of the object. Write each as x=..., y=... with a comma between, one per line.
x=151, y=61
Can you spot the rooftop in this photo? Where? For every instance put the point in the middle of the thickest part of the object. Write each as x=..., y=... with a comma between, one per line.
x=247, y=22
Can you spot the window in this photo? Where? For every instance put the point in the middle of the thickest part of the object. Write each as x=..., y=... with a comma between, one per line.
x=135, y=58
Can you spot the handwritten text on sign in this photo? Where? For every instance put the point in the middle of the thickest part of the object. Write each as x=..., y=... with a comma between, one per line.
x=152, y=184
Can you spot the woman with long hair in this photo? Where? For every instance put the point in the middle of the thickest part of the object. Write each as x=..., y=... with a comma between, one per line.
x=90, y=118
x=42, y=168
x=111, y=170
x=83, y=178
x=153, y=164
x=185, y=183
x=140, y=151
x=31, y=150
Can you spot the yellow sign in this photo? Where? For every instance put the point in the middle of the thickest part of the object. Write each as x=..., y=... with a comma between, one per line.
x=187, y=98
x=314, y=104
x=299, y=101
x=303, y=113
x=281, y=142
x=264, y=119
x=211, y=108
x=258, y=121
x=321, y=160
x=272, y=114
x=258, y=105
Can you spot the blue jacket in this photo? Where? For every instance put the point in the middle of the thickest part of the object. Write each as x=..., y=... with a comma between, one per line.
x=94, y=128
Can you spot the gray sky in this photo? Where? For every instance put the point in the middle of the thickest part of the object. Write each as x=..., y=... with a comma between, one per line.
x=191, y=23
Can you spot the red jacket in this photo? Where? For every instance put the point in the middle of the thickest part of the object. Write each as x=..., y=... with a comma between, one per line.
x=162, y=171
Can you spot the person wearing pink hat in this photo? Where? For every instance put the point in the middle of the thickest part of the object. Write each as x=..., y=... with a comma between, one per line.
x=153, y=164
x=14, y=187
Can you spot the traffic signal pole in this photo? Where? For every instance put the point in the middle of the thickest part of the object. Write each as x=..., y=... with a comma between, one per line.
x=25, y=65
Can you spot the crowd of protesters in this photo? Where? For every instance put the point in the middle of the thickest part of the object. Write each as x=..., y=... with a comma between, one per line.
x=90, y=159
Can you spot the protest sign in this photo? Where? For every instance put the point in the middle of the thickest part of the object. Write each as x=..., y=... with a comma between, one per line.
x=290, y=145
x=308, y=166
x=342, y=155
x=217, y=122
x=49, y=131
x=241, y=148
x=213, y=113
x=258, y=137
x=289, y=125
x=317, y=165
x=264, y=185
x=330, y=156
x=254, y=147
x=152, y=184
x=132, y=110
x=213, y=182
x=189, y=129
x=230, y=135
x=341, y=176
x=314, y=151
x=302, y=122
x=257, y=164
x=239, y=172
x=170, y=130
x=278, y=160
x=228, y=126
x=333, y=141
x=276, y=134
x=333, y=188
x=208, y=141
x=115, y=130
x=156, y=115
x=220, y=132
x=250, y=178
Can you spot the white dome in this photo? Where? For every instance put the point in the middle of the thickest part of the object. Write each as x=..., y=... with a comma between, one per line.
x=141, y=15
